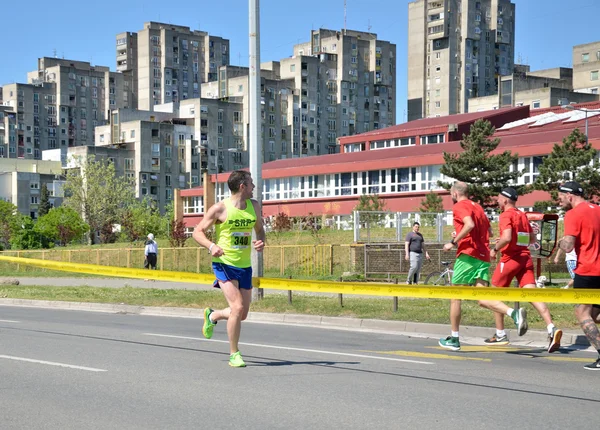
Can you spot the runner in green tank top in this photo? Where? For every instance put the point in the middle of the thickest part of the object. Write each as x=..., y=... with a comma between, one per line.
x=234, y=219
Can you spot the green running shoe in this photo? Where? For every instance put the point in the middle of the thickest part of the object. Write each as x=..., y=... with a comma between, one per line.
x=235, y=360
x=207, y=328
x=450, y=342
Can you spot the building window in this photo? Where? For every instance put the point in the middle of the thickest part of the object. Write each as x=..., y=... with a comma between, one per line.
x=438, y=104
x=536, y=104
x=585, y=57
x=594, y=75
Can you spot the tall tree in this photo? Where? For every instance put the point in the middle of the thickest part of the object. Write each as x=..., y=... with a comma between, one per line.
x=9, y=222
x=96, y=192
x=573, y=159
x=44, y=206
x=432, y=204
x=62, y=224
x=370, y=203
x=486, y=173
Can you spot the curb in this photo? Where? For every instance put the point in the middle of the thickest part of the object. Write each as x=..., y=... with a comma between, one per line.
x=428, y=330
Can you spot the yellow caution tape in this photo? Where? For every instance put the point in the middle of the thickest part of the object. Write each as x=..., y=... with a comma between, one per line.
x=549, y=295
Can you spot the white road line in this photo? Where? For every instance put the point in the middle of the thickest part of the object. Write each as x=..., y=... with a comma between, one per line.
x=52, y=363
x=287, y=348
x=10, y=321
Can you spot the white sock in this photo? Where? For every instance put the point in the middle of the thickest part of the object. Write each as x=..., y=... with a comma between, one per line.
x=454, y=334
x=509, y=312
x=500, y=333
x=550, y=327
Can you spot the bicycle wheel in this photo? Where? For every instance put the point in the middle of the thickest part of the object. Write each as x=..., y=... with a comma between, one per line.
x=436, y=278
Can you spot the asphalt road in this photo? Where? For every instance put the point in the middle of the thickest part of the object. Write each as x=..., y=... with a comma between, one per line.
x=82, y=370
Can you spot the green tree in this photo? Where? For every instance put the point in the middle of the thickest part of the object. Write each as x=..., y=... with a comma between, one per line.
x=573, y=159
x=96, y=192
x=432, y=204
x=44, y=206
x=62, y=224
x=9, y=221
x=24, y=235
x=141, y=218
x=370, y=203
x=486, y=173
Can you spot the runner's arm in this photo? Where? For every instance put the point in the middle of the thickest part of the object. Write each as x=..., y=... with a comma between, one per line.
x=209, y=219
x=504, y=240
x=567, y=243
x=468, y=225
x=259, y=228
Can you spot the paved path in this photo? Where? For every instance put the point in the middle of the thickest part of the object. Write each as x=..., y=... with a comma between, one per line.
x=71, y=370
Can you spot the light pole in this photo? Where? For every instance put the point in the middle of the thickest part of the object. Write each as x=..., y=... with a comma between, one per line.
x=571, y=107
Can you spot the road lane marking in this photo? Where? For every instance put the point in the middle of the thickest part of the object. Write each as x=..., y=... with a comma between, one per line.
x=52, y=363
x=287, y=348
x=457, y=357
x=487, y=349
x=573, y=359
x=10, y=321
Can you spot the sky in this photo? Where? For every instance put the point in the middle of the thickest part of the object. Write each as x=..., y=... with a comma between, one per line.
x=546, y=30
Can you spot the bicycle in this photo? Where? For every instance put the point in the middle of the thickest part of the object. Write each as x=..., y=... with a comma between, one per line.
x=440, y=278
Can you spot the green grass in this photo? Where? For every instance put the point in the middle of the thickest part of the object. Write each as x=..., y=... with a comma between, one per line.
x=416, y=310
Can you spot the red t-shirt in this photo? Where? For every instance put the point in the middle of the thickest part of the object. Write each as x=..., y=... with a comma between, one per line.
x=583, y=222
x=518, y=246
x=476, y=243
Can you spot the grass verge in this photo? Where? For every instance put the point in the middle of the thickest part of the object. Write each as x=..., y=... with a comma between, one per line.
x=415, y=310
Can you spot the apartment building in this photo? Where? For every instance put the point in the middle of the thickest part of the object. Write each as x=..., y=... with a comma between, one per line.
x=337, y=84
x=457, y=50
x=22, y=180
x=586, y=68
x=538, y=89
x=169, y=62
x=61, y=104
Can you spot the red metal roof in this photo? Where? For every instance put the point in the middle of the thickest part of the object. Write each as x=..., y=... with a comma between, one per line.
x=497, y=117
x=558, y=109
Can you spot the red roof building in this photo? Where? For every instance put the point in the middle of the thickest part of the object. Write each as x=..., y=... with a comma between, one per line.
x=401, y=174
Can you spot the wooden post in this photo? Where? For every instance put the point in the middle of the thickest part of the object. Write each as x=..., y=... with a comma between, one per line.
x=341, y=297
x=162, y=260
x=98, y=257
x=198, y=260
x=289, y=294
x=330, y=260
x=395, y=299
x=128, y=257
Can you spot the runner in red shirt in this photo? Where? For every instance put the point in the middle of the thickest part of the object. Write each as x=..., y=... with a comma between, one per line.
x=515, y=237
x=582, y=233
x=472, y=266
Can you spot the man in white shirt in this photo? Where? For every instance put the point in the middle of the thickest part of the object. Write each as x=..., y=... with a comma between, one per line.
x=150, y=253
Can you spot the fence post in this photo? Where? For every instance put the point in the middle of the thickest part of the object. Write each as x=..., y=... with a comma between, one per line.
x=98, y=257
x=395, y=301
x=162, y=260
x=128, y=257
x=289, y=294
x=356, y=226
x=281, y=260
x=331, y=260
x=70, y=255
x=197, y=260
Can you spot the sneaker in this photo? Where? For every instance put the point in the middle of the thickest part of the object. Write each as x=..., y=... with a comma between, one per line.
x=208, y=326
x=496, y=340
x=450, y=342
x=593, y=366
x=235, y=360
x=520, y=318
x=554, y=339
x=566, y=287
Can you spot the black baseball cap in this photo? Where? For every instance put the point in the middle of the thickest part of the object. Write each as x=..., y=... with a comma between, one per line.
x=571, y=187
x=511, y=193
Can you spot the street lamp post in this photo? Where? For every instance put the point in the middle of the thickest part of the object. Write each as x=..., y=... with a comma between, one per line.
x=571, y=107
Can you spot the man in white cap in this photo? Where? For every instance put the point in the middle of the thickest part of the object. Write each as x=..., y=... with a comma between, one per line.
x=150, y=253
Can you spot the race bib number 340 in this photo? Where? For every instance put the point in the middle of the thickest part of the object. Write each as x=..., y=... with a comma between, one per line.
x=240, y=240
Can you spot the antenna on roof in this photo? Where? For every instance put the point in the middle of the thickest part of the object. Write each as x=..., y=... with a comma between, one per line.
x=369, y=26
x=345, y=8
x=54, y=51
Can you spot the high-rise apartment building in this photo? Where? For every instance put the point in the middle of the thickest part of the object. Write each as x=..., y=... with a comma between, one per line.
x=337, y=84
x=586, y=68
x=61, y=104
x=457, y=49
x=170, y=62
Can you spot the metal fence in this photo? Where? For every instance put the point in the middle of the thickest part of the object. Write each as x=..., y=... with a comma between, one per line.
x=309, y=261
x=384, y=227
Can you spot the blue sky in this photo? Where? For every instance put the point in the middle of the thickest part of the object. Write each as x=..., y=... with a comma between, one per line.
x=546, y=29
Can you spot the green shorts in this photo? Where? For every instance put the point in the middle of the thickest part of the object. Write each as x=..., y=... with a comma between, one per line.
x=468, y=269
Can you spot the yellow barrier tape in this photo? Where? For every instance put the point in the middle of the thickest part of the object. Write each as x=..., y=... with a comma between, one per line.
x=549, y=295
